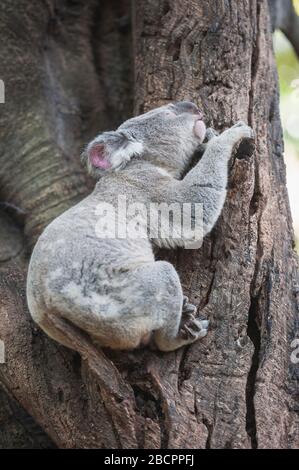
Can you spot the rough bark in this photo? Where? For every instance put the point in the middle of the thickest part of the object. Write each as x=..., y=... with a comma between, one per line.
x=17, y=429
x=66, y=65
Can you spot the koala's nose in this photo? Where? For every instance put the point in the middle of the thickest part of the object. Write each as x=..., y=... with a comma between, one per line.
x=188, y=107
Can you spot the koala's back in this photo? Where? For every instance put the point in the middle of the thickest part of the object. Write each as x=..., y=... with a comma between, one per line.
x=70, y=258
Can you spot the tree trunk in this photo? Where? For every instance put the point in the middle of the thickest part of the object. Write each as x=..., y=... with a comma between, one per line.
x=67, y=68
x=17, y=429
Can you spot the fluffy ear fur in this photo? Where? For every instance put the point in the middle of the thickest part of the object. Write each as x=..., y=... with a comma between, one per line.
x=111, y=151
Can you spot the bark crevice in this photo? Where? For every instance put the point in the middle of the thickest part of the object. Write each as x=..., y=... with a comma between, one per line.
x=254, y=334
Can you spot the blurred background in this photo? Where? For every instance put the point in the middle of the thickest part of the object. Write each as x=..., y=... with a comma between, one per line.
x=288, y=69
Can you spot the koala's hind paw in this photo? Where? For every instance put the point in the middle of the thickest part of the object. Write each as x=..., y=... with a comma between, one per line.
x=189, y=310
x=194, y=329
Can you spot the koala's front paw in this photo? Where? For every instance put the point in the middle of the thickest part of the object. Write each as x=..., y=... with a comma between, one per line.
x=241, y=137
x=238, y=132
x=210, y=134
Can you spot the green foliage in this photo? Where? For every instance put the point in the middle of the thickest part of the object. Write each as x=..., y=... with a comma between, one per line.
x=288, y=70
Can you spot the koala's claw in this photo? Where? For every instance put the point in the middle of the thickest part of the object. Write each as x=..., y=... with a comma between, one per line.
x=187, y=333
x=188, y=310
x=238, y=132
x=194, y=329
x=246, y=132
x=204, y=324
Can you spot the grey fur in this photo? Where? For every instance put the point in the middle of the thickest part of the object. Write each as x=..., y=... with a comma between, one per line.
x=113, y=289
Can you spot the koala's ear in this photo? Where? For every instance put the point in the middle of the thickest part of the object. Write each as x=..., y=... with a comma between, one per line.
x=111, y=151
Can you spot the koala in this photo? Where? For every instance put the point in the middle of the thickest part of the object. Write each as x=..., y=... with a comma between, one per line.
x=111, y=288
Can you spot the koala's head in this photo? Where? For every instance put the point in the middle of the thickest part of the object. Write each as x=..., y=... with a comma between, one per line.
x=166, y=136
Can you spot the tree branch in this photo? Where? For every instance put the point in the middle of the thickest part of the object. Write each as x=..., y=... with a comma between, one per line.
x=284, y=17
